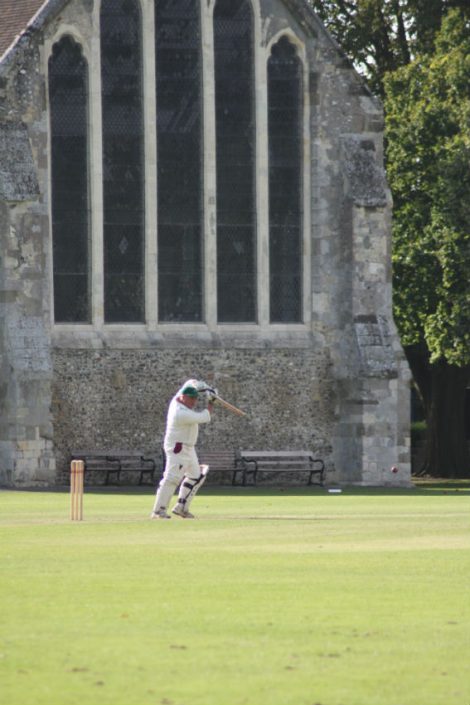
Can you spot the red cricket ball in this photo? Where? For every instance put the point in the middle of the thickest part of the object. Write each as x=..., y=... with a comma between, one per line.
x=394, y=469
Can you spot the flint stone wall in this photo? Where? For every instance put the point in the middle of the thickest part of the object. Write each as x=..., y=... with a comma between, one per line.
x=118, y=399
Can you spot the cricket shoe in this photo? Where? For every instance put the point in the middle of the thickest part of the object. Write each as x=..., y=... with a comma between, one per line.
x=181, y=512
x=161, y=514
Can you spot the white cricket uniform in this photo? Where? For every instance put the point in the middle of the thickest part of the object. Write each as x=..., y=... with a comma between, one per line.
x=182, y=430
x=182, y=465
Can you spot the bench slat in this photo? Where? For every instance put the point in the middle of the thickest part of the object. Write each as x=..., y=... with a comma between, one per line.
x=217, y=458
x=284, y=463
x=276, y=454
x=221, y=461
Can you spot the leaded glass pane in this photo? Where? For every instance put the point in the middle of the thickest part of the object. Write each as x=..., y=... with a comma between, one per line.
x=285, y=183
x=179, y=159
x=235, y=144
x=68, y=98
x=123, y=164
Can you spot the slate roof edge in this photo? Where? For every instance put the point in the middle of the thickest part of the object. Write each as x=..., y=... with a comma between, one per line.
x=35, y=23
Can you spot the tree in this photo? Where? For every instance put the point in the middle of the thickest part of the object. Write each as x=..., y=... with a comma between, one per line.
x=428, y=157
x=381, y=35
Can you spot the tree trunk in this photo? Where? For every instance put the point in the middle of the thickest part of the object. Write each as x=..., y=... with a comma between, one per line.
x=443, y=392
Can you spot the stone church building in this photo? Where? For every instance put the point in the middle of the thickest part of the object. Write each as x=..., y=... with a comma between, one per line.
x=192, y=188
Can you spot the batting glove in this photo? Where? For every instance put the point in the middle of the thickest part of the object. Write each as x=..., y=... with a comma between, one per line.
x=211, y=395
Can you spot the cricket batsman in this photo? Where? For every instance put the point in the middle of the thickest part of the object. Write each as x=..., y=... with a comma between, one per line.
x=182, y=465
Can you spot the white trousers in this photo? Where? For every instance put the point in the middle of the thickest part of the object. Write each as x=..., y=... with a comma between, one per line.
x=181, y=468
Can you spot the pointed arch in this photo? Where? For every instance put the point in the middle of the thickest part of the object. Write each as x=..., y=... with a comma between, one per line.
x=123, y=161
x=285, y=146
x=235, y=160
x=70, y=203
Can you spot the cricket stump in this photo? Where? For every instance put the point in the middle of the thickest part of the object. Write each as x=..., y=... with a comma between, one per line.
x=77, y=469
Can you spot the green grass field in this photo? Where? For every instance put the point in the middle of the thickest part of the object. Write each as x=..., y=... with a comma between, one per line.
x=272, y=597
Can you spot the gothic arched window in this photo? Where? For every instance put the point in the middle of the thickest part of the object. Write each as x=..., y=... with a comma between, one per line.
x=235, y=161
x=68, y=98
x=123, y=161
x=179, y=159
x=285, y=107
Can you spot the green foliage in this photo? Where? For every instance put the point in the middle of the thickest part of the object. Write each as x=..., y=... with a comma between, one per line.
x=418, y=431
x=428, y=137
x=382, y=35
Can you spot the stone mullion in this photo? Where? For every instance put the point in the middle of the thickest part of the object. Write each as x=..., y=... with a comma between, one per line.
x=210, y=192
x=96, y=180
x=261, y=178
x=150, y=152
x=306, y=227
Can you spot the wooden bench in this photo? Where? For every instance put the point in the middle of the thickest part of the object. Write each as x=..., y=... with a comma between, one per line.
x=113, y=462
x=221, y=461
x=286, y=461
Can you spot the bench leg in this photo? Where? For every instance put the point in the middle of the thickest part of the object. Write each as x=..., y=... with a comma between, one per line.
x=235, y=474
x=245, y=476
x=247, y=469
x=310, y=479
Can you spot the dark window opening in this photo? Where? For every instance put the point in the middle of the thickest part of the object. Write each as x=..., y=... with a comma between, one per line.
x=179, y=160
x=285, y=183
x=68, y=97
x=235, y=145
x=123, y=162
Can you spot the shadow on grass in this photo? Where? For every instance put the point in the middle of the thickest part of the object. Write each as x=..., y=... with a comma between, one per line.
x=424, y=487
